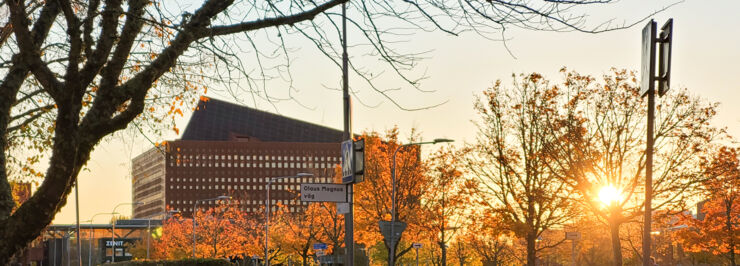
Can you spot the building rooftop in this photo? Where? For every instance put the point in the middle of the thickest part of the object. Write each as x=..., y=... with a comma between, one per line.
x=217, y=120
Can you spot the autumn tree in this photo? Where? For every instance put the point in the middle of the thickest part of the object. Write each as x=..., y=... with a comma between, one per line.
x=717, y=226
x=301, y=230
x=598, y=147
x=75, y=72
x=488, y=237
x=220, y=232
x=373, y=196
x=446, y=199
x=332, y=226
x=510, y=163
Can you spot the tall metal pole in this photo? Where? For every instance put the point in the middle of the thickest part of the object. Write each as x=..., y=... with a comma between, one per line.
x=267, y=222
x=649, y=179
x=77, y=221
x=195, y=209
x=392, y=257
x=349, y=235
x=113, y=240
x=148, y=235
x=648, y=84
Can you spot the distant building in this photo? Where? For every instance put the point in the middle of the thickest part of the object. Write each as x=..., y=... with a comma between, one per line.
x=228, y=149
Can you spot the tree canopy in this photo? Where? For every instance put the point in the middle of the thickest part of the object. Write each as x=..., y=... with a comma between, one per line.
x=75, y=72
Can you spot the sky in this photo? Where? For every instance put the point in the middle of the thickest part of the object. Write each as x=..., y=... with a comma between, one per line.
x=705, y=60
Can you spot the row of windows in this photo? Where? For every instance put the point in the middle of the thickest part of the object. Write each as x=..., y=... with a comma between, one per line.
x=253, y=202
x=254, y=157
x=251, y=180
x=249, y=187
x=249, y=209
x=251, y=165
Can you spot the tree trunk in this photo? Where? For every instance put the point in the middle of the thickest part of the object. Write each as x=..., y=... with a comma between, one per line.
x=443, y=247
x=531, y=249
x=616, y=244
x=728, y=212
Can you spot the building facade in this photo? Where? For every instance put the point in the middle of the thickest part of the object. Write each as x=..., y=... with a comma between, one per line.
x=233, y=150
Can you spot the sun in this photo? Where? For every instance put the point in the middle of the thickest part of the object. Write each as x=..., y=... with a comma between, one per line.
x=609, y=194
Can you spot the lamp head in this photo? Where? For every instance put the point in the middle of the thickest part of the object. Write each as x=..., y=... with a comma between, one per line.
x=303, y=174
x=223, y=197
x=443, y=140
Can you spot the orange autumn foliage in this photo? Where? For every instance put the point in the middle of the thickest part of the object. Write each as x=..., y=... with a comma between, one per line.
x=716, y=228
x=373, y=196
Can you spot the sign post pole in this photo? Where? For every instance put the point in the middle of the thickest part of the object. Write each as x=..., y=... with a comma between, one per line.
x=647, y=88
x=417, y=246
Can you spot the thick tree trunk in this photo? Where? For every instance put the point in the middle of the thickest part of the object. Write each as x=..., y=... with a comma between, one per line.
x=531, y=249
x=616, y=243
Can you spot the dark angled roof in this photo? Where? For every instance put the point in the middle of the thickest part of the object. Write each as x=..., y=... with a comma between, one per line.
x=216, y=120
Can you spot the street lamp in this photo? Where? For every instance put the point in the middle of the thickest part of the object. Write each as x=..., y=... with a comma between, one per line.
x=92, y=235
x=393, y=194
x=113, y=231
x=149, y=227
x=195, y=208
x=267, y=210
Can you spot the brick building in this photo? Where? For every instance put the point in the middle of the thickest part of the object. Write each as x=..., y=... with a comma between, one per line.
x=227, y=149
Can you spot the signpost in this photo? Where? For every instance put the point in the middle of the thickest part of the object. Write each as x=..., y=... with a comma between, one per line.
x=417, y=246
x=647, y=87
x=323, y=192
x=573, y=237
x=319, y=246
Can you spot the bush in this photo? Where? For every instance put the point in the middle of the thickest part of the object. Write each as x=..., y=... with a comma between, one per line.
x=182, y=262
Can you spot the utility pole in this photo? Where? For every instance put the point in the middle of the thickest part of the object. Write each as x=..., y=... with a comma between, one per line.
x=349, y=236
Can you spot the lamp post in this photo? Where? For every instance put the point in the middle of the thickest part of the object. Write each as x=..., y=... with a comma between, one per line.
x=92, y=235
x=393, y=195
x=195, y=208
x=267, y=210
x=149, y=227
x=113, y=230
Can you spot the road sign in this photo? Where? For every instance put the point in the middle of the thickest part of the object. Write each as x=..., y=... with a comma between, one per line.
x=573, y=235
x=385, y=230
x=342, y=207
x=664, y=69
x=347, y=161
x=320, y=253
x=647, y=71
x=319, y=192
x=416, y=245
x=318, y=246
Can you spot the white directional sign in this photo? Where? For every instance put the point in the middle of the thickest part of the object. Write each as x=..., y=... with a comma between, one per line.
x=573, y=235
x=323, y=192
x=416, y=245
x=342, y=208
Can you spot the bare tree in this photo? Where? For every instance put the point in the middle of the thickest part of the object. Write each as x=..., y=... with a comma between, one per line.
x=509, y=160
x=600, y=151
x=77, y=71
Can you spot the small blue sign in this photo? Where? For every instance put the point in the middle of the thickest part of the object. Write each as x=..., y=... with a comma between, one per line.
x=319, y=246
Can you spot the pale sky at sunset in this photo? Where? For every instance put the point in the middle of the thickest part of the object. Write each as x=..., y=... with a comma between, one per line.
x=706, y=60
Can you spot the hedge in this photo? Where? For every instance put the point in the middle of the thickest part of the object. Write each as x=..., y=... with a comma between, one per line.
x=183, y=262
